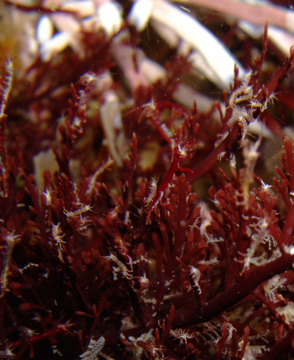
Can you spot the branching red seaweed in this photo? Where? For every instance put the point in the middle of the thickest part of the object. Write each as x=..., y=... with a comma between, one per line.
x=134, y=226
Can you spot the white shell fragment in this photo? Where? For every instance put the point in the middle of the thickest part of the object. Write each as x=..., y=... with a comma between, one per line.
x=217, y=57
x=281, y=38
x=56, y=44
x=111, y=119
x=44, y=31
x=140, y=14
x=83, y=8
x=44, y=161
x=110, y=17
